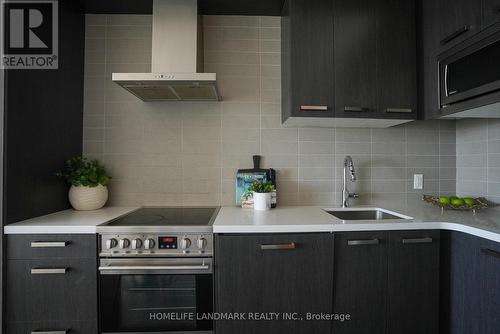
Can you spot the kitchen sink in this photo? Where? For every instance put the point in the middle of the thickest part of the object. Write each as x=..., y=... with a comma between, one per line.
x=365, y=214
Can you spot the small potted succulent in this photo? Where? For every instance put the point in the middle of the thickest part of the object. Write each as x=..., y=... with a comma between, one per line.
x=88, y=180
x=261, y=194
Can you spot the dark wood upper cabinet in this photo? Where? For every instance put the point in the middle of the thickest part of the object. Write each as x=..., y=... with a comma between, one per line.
x=274, y=273
x=428, y=89
x=396, y=59
x=375, y=58
x=355, y=58
x=349, y=59
x=307, y=58
x=491, y=12
x=456, y=21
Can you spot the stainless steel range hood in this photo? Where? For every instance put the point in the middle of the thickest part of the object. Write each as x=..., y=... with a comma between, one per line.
x=177, y=58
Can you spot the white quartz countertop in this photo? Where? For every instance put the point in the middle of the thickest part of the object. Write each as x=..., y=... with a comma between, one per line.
x=293, y=219
x=68, y=221
x=485, y=224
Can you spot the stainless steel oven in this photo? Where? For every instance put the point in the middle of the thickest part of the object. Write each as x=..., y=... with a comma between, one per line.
x=155, y=271
x=160, y=295
x=471, y=72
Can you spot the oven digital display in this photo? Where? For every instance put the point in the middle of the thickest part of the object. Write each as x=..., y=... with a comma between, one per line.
x=167, y=242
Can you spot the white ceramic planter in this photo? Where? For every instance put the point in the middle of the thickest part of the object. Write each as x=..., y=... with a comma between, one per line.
x=88, y=198
x=261, y=201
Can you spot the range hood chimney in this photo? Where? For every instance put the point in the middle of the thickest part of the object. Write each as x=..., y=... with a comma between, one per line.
x=177, y=58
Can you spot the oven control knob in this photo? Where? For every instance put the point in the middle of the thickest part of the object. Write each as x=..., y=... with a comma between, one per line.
x=111, y=243
x=201, y=243
x=136, y=243
x=185, y=243
x=149, y=244
x=124, y=243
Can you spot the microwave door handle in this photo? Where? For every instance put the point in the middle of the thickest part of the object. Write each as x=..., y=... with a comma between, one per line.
x=446, y=80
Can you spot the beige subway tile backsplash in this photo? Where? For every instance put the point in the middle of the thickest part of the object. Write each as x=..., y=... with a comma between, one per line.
x=171, y=153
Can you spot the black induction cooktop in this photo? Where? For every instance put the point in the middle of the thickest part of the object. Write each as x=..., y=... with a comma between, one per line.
x=168, y=216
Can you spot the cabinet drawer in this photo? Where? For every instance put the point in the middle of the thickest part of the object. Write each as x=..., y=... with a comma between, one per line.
x=48, y=246
x=56, y=290
x=52, y=327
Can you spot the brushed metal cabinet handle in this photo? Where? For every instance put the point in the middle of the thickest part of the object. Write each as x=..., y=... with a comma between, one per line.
x=289, y=246
x=48, y=271
x=456, y=34
x=398, y=110
x=49, y=244
x=50, y=332
x=314, y=108
x=356, y=109
x=363, y=242
x=490, y=252
x=426, y=240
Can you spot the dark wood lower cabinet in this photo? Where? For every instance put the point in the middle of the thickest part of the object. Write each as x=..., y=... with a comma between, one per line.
x=413, y=282
x=51, y=246
x=59, y=289
x=52, y=327
x=360, y=282
x=51, y=284
x=489, y=301
x=470, y=285
x=288, y=273
x=387, y=281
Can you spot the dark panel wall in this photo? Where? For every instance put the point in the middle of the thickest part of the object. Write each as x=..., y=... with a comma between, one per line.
x=2, y=91
x=43, y=124
x=205, y=7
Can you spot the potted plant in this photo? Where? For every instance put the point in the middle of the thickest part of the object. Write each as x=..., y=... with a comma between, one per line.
x=89, y=180
x=261, y=194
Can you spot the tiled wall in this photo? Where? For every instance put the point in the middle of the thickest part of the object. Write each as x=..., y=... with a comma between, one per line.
x=478, y=158
x=188, y=153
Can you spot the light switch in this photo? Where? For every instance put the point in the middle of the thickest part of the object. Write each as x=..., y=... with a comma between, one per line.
x=418, y=181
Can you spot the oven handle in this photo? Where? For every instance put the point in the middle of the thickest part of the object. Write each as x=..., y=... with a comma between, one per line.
x=153, y=268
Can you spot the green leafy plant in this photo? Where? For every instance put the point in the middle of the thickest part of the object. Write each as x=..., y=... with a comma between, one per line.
x=81, y=171
x=261, y=187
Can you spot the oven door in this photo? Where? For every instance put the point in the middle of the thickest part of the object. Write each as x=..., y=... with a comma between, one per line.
x=470, y=72
x=155, y=295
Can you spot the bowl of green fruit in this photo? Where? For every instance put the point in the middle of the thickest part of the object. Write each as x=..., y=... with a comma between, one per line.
x=459, y=203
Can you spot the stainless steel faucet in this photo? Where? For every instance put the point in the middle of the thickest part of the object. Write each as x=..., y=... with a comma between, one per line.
x=348, y=164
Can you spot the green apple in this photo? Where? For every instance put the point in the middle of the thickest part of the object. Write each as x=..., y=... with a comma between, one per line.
x=444, y=200
x=457, y=202
x=469, y=201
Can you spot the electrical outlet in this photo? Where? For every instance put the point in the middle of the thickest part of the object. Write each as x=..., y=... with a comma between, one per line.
x=418, y=181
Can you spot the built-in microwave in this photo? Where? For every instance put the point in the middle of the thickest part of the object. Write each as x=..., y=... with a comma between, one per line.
x=470, y=72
